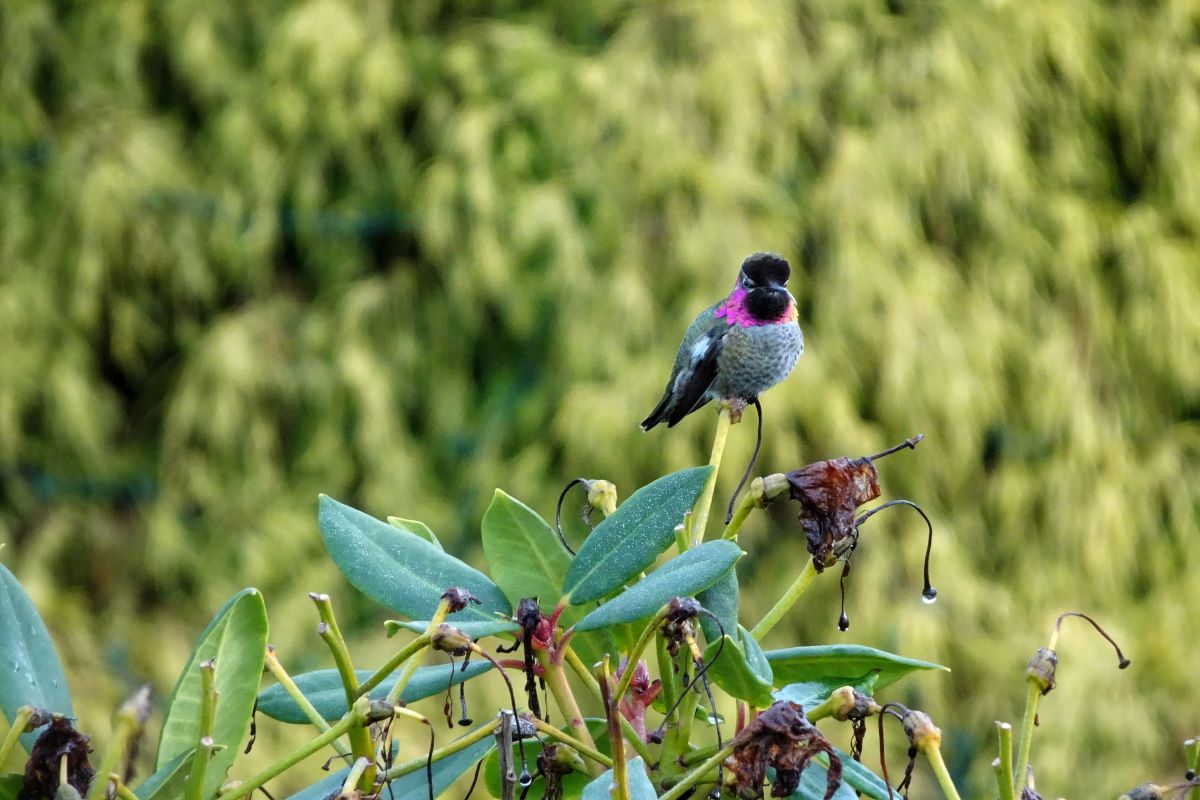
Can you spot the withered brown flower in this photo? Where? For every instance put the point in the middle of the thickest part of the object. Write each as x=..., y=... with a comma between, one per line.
x=780, y=737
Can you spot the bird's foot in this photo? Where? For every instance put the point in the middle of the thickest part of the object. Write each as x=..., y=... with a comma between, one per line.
x=735, y=406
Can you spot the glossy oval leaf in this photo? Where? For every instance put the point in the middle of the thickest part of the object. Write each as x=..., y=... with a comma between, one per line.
x=417, y=528
x=527, y=560
x=683, y=576
x=522, y=550
x=30, y=672
x=476, y=629
x=810, y=694
x=400, y=569
x=814, y=782
x=722, y=600
x=640, y=787
x=414, y=785
x=324, y=690
x=864, y=780
x=628, y=542
x=167, y=783
x=236, y=640
x=741, y=669
x=798, y=664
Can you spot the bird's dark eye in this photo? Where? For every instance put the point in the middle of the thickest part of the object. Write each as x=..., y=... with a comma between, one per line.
x=748, y=284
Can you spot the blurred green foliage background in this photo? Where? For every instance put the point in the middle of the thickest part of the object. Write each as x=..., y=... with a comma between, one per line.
x=403, y=254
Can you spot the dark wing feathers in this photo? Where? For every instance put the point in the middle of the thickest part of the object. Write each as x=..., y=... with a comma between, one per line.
x=701, y=375
x=694, y=375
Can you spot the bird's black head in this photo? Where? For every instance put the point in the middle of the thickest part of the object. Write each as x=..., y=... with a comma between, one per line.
x=764, y=276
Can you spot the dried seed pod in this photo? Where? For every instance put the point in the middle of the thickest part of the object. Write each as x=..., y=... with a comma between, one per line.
x=458, y=598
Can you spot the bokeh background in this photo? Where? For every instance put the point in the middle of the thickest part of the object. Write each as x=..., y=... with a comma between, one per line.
x=407, y=253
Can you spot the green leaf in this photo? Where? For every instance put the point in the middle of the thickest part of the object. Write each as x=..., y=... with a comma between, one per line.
x=815, y=780
x=400, y=569
x=236, y=640
x=527, y=560
x=862, y=779
x=798, y=664
x=10, y=786
x=414, y=785
x=741, y=669
x=628, y=542
x=417, y=528
x=476, y=629
x=722, y=600
x=812, y=693
x=30, y=672
x=640, y=787
x=524, y=554
x=168, y=782
x=324, y=690
x=682, y=576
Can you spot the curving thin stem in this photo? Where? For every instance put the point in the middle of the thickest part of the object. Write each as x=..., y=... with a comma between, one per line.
x=558, y=513
x=928, y=592
x=749, y=467
x=1122, y=661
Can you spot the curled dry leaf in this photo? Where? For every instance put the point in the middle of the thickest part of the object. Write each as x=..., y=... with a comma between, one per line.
x=780, y=737
x=828, y=493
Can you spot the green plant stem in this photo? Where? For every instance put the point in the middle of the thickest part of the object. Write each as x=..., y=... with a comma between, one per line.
x=356, y=771
x=681, y=533
x=697, y=756
x=567, y=739
x=704, y=503
x=687, y=715
x=413, y=764
x=581, y=671
x=692, y=778
x=410, y=666
x=636, y=653
x=285, y=680
x=556, y=681
x=784, y=604
x=194, y=789
x=824, y=709
x=20, y=720
x=1004, y=776
x=331, y=633
x=355, y=718
x=119, y=788
x=666, y=674
x=620, y=776
x=1032, y=699
x=934, y=755
x=130, y=718
x=408, y=651
x=747, y=504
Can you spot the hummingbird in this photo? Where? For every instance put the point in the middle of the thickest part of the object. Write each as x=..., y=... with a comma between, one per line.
x=737, y=348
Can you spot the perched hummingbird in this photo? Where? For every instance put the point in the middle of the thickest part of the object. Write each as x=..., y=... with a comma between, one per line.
x=737, y=348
